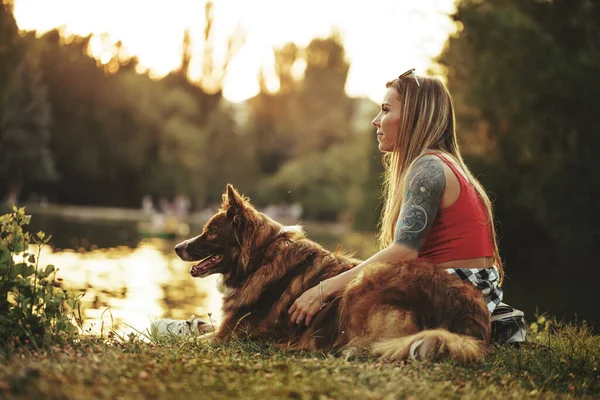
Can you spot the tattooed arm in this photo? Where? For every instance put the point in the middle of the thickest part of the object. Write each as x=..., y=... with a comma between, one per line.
x=422, y=197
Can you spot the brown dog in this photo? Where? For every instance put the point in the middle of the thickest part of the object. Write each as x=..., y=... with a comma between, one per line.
x=394, y=311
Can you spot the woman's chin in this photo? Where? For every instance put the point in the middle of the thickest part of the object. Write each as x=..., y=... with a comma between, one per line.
x=383, y=148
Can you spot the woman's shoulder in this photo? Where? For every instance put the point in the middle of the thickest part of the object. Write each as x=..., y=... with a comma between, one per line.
x=426, y=162
x=445, y=160
x=435, y=169
x=425, y=157
x=439, y=155
x=427, y=168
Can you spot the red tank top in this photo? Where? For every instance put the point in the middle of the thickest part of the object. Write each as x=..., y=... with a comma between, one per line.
x=461, y=230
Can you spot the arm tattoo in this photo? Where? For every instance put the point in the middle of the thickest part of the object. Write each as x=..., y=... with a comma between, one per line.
x=422, y=197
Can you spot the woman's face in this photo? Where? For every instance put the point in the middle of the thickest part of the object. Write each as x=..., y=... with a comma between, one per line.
x=388, y=121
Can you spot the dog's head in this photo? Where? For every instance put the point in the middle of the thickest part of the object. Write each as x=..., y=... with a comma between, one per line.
x=229, y=238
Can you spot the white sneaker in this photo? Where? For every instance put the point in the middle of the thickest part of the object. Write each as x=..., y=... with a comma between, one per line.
x=193, y=326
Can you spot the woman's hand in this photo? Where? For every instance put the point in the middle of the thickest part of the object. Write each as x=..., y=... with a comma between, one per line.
x=306, y=306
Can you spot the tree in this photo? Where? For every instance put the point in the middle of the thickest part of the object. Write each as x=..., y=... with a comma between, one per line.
x=322, y=108
x=312, y=141
x=25, y=125
x=366, y=198
x=524, y=74
x=10, y=54
x=323, y=182
x=10, y=45
x=208, y=91
x=307, y=114
x=269, y=124
x=97, y=140
x=285, y=58
x=119, y=135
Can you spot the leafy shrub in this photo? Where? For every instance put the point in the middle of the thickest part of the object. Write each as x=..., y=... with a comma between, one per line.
x=32, y=301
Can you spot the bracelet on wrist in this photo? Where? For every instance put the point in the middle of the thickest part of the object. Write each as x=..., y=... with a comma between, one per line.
x=323, y=303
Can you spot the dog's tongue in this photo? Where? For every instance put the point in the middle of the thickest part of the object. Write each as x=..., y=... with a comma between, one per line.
x=203, y=266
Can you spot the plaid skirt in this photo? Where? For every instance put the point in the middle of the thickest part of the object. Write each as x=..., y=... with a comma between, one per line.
x=485, y=279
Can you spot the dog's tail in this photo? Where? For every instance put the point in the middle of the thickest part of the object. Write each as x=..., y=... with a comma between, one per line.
x=432, y=344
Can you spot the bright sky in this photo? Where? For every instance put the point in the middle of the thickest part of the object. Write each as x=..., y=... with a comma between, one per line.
x=383, y=38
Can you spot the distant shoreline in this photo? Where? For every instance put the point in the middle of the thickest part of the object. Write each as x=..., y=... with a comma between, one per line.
x=118, y=214
x=96, y=213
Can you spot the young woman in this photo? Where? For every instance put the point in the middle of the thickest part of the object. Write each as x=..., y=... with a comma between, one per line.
x=435, y=209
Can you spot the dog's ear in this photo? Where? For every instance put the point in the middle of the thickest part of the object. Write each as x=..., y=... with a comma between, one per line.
x=233, y=202
x=238, y=210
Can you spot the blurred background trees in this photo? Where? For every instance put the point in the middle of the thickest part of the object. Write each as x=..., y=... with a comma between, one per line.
x=523, y=74
x=25, y=124
x=525, y=78
x=117, y=135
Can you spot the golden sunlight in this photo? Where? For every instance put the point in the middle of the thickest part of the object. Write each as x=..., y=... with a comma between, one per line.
x=381, y=37
x=127, y=289
x=105, y=57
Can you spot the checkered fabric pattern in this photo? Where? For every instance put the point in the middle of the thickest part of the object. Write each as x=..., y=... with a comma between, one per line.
x=485, y=279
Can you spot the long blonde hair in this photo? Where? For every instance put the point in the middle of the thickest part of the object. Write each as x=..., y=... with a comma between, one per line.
x=427, y=122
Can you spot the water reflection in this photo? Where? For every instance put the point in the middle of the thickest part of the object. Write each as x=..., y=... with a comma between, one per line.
x=127, y=288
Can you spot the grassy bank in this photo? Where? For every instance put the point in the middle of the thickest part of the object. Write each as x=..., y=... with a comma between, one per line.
x=559, y=362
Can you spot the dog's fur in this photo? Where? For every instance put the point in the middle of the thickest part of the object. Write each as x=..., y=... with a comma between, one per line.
x=393, y=311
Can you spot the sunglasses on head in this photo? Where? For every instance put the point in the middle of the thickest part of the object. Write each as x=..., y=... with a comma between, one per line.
x=410, y=72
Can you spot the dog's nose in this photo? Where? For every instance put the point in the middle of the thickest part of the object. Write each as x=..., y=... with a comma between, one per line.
x=180, y=248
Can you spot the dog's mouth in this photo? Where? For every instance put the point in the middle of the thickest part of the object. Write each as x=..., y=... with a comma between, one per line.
x=205, y=266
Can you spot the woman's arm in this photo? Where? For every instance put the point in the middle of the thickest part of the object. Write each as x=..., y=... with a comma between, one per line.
x=423, y=193
x=307, y=305
x=397, y=252
x=422, y=198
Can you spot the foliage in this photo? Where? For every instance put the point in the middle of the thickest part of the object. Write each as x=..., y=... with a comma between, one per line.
x=110, y=126
x=25, y=125
x=562, y=365
x=11, y=46
x=523, y=74
x=541, y=120
x=117, y=135
x=24, y=110
x=311, y=140
x=323, y=182
x=307, y=115
x=367, y=203
x=33, y=304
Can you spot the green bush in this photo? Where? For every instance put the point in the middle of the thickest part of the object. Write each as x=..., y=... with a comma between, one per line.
x=33, y=305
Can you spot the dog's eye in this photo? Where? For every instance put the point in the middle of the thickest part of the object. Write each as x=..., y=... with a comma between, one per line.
x=212, y=231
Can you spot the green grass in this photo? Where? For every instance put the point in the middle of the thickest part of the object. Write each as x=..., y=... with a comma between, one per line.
x=561, y=361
